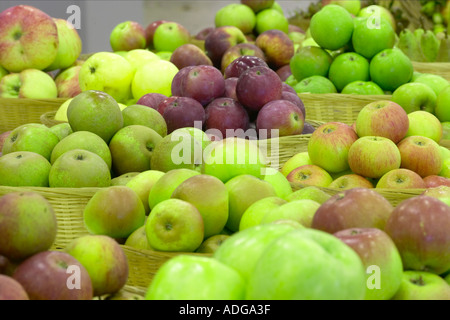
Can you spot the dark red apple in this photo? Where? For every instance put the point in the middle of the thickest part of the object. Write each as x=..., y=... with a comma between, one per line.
x=203, y=33
x=152, y=99
x=284, y=72
x=308, y=128
x=54, y=275
x=278, y=48
x=289, y=88
x=150, y=31
x=295, y=99
x=163, y=104
x=239, y=50
x=11, y=289
x=436, y=181
x=220, y=40
x=189, y=55
x=183, y=112
x=177, y=81
x=230, y=88
x=240, y=64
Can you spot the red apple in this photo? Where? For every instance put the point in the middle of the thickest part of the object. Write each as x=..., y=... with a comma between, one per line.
x=239, y=50
x=434, y=181
x=310, y=175
x=203, y=33
x=183, y=112
x=189, y=55
x=11, y=289
x=294, y=98
x=152, y=100
x=284, y=72
x=242, y=63
x=278, y=48
x=401, y=179
x=220, y=40
x=230, y=88
x=177, y=81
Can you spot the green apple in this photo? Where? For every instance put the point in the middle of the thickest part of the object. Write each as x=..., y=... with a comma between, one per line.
x=61, y=130
x=164, y=187
x=311, y=193
x=401, y=179
x=32, y=137
x=332, y=27
x=154, y=76
x=29, y=83
x=127, y=35
x=349, y=181
x=310, y=61
x=142, y=183
x=85, y=140
x=210, y=196
x=442, y=101
x=390, y=68
x=378, y=12
x=28, y=225
x=424, y=123
x=413, y=96
x=422, y=285
x=253, y=215
x=138, y=239
x=297, y=259
x=316, y=85
x=243, y=191
x=24, y=168
x=297, y=160
x=109, y=276
x=3, y=72
x=210, y=245
x=281, y=185
x=123, y=179
x=61, y=112
x=269, y=19
x=79, y=168
x=310, y=175
x=132, y=148
x=107, y=72
x=114, y=211
x=174, y=225
x=352, y=6
x=441, y=192
x=242, y=250
x=238, y=15
x=195, y=278
x=301, y=210
x=69, y=46
x=348, y=67
x=434, y=81
x=164, y=55
x=146, y=116
x=139, y=57
x=97, y=112
x=308, y=42
x=363, y=87
x=170, y=35
x=371, y=36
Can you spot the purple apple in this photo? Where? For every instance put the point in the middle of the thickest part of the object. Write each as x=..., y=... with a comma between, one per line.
x=230, y=88
x=11, y=289
x=220, y=40
x=189, y=54
x=257, y=86
x=278, y=48
x=281, y=115
x=183, y=112
x=239, y=50
x=152, y=100
x=240, y=64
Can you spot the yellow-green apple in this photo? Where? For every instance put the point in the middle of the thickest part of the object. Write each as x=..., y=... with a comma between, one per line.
x=210, y=196
x=142, y=183
x=373, y=156
x=414, y=96
x=230, y=157
x=242, y=63
x=32, y=137
x=11, y=289
x=419, y=228
x=132, y=148
x=301, y=210
x=189, y=54
x=442, y=101
x=54, y=275
x=391, y=68
x=315, y=84
x=28, y=224
x=196, y=278
x=28, y=37
x=421, y=155
x=97, y=112
x=220, y=40
x=281, y=184
x=138, y=114
x=243, y=191
x=85, y=140
x=154, y=76
x=271, y=19
x=352, y=6
x=445, y=169
x=138, y=57
x=310, y=175
x=239, y=50
x=150, y=32
x=174, y=225
x=115, y=211
x=382, y=118
x=210, y=245
x=123, y=179
x=258, y=5
x=238, y=15
x=253, y=215
x=329, y=145
x=441, y=192
x=127, y=35
x=347, y=68
x=422, y=285
x=434, y=81
x=353, y=208
x=69, y=48
x=3, y=72
x=309, y=192
x=277, y=46
x=371, y=36
x=380, y=257
x=29, y=83
x=138, y=239
x=426, y=124
x=242, y=249
x=401, y=179
x=67, y=82
x=24, y=168
x=107, y=277
x=377, y=12
x=303, y=269
x=61, y=112
x=107, y=72
x=310, y=61
x=170, y=35
x=297, y=160
x=351, y=180
x=79, y=168
x=433, y=181
x=332, y=27
x=362, y=87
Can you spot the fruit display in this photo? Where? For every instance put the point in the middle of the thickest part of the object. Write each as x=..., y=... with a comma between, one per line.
x=165, y=156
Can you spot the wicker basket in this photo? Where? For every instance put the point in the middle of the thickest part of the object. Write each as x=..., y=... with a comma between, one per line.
x=48, y=118
x=15, y=112
x=439, y=68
